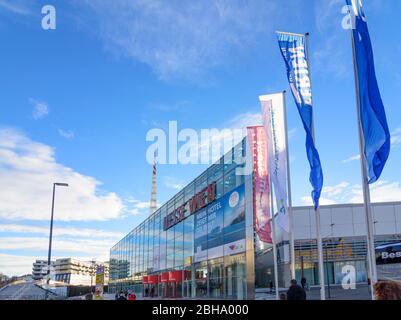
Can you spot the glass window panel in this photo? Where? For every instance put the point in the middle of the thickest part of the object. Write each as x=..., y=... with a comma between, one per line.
x=179, y=230
x=215, y=172
x=179, y=199
x=163, y=250
x=219, y=188
x=239, y=155
x=229, y=163
x=170, y=239
x=201, y=183
x=178, y=258
x=189, y=191
x=170, y=261
x=229, y=181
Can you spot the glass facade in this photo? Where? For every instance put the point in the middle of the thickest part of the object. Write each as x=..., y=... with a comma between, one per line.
x=337, y=253
x=199, y=243
x=201, y=254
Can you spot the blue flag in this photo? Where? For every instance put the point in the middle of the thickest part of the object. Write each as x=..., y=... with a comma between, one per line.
x=295, y=56
x=376, y=134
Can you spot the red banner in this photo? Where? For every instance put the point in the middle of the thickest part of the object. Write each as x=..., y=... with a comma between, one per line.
x=261, y=185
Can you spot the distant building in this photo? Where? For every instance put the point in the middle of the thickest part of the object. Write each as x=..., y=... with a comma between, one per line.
x=3, y=277
x=39, y=269
x=75, y=272
x=25, y=277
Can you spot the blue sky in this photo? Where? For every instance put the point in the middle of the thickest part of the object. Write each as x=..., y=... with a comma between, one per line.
x=76, y=104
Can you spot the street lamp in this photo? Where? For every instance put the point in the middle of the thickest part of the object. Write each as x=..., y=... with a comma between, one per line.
x=51, y=233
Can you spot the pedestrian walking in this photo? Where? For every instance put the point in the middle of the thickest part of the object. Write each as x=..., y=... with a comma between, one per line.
x=122, y=296
x=296, y=292
x=303, y=282
x=271, y=286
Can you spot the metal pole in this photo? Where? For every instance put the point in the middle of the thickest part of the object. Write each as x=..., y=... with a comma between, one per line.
x=50, y=241
x=290, y=212
x=317, y=210
x=365, y=185
x=273, y=223
x=290, y=33
x=327, y=272
x=92, y=262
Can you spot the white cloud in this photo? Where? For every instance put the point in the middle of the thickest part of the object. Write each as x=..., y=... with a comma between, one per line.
x=352, y=159
x=182, y=39
x=307, y=201
x=60, y=231
x=16, y=6
x=332, y=191
x=395, y=141
x=40, y=109
x=244, y=120
x=137, y=207
x=14, y=265
x=92, y=247
x=28, y=170
x=344, y=192
x=68, y=134
x=292, y=132
x=396, y=137
x=173, y=183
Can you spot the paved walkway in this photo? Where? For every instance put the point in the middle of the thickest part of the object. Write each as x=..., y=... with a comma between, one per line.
x=335, y=293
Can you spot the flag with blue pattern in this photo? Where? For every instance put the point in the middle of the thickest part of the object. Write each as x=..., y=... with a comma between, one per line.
x=376, y=134
x=294, y=53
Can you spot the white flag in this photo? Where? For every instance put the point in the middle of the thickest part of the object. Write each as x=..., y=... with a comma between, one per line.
x=274, y=123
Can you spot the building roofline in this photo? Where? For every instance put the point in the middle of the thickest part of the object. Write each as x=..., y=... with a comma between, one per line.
x=343, y=205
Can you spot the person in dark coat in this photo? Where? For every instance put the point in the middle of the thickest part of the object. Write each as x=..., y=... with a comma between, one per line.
x=122, y=296
x=303, y=282
x=296, y=292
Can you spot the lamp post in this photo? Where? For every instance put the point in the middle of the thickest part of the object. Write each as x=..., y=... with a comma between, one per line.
x=51, y=233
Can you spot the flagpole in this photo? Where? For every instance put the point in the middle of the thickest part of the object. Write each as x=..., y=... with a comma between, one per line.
x=371, y=256
x=273, y=223
x=317, y=210
x=290, y=213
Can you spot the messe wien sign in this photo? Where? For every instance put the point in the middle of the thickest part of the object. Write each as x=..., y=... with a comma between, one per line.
x=197, y=202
